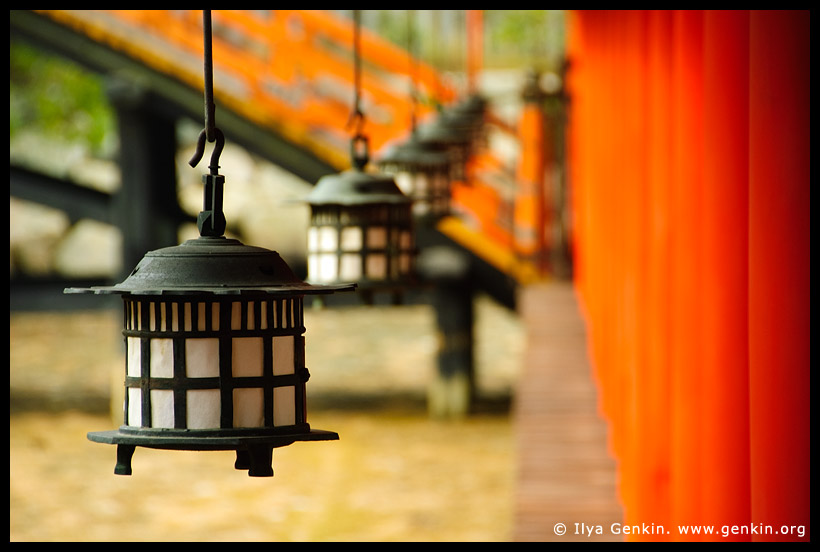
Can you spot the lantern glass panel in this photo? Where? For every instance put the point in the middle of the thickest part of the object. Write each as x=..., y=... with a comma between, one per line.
x=283, y=355
x=351, y=238
x=376, y=237
x=162, y=358
x=376, y=267
x=203, y=408
x=133, y=357
x=202, y=357
x=248, y=407
x=162, y=408
x=246, y=353
x=134, y=410
x=350, y=266
x=284, y=406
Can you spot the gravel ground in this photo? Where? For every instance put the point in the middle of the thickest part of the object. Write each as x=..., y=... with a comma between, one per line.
x=394, y=475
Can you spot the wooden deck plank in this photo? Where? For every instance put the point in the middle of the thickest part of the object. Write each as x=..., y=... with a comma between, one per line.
x=565, y=474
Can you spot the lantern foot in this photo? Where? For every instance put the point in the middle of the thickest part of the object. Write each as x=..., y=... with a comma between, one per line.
x=124, y=454
x=257, y=459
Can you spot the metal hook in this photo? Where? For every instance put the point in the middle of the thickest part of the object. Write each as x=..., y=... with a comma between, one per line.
x=200, y=150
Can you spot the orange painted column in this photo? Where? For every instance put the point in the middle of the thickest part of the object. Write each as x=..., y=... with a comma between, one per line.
x=653, y=393
x=686, y=271
x=529, y=213
x=725, y=399
x=779, y=284
x=629, y=137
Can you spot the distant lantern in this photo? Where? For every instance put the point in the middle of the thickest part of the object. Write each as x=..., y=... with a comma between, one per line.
x=453, y=136
x=422, y=171
x=468, y=114
x=361, y=229
x=361, y=224
x=214, y=341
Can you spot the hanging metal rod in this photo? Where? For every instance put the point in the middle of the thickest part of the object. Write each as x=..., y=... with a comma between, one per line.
x=210, y=132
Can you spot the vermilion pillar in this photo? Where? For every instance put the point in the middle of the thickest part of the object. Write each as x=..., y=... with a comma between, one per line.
x=686, y=270
x=779, y=286
x=529, y=214
x=724, y=430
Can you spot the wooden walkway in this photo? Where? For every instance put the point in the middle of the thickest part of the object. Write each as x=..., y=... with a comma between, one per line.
x=565, y=473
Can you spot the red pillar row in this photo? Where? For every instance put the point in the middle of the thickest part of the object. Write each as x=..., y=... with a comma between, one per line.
x=689, y=164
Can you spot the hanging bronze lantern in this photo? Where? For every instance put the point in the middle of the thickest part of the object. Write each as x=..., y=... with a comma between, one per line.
x=214, y=340
x=361, y=225
x=422, y=170
x=361, y=229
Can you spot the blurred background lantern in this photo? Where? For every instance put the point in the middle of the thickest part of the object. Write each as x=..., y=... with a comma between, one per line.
x=361, y=225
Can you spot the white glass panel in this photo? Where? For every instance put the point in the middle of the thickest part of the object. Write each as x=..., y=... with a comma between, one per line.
x=283, y=357
x=284, y=406
x=174, y=317
x=313, y=239
x=327, y=267
x=422, y=185
x=134, y=406
x=215, y=316
x=162, y=408
x=328, y=241
x=152, y=320
x=351, y=238
x=187, y=316
x=351, y=267
x=203, y=408
x=405, y=240
x=376, y=266
x=376, y=237
x=162, y=358
x=246, y=357
x=263, y=315
x=313, y=267
x=247, y=407
x=134, y=363
x=251, y=323
x=236, y=315
x=202, y=357
x=201, y=317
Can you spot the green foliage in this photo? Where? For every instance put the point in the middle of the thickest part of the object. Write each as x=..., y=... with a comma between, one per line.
x=534, y=37
x=57, y=98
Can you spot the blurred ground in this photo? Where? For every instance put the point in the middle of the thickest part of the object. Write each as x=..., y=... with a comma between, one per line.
x=394, y=475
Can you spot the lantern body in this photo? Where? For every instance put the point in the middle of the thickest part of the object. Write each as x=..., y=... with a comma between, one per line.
x=455, y=140
x=204, y=363
x=423, y=171
x=361, y=229
x=368, y=244
x=214, y=353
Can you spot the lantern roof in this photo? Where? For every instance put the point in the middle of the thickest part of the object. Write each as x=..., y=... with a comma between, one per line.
x=417, y=152
x=356, y=187
x=212, y=265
